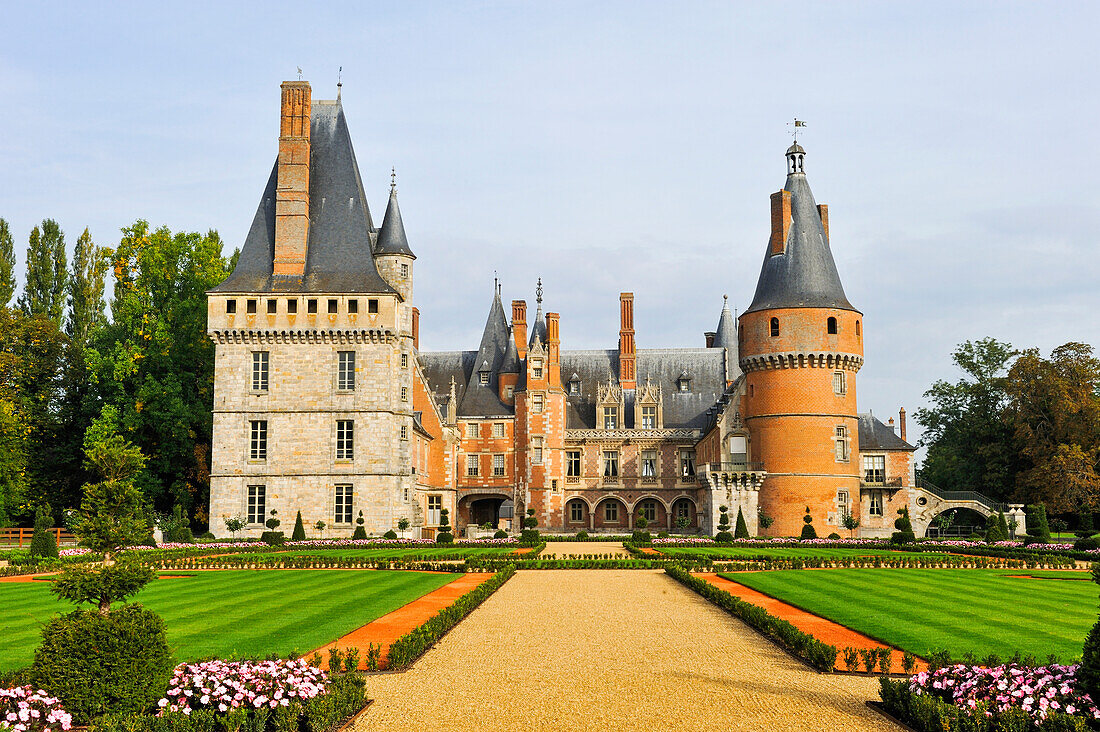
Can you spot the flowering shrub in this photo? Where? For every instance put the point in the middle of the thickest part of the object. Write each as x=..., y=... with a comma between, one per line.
x=25, y=709
x=925, y=544
x=225, y=685
x=1038, y=691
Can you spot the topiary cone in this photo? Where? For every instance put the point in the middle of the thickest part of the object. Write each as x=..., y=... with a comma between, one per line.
x=299, y=529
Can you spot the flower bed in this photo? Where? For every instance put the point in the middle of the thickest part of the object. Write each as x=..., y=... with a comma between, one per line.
x=25, y=709
x=958, y=546
x=1008, y=697
x=225, y=685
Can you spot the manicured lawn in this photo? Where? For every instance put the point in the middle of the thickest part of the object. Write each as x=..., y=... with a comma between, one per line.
x=235, y=612
x=825, y=552
x=923, y=610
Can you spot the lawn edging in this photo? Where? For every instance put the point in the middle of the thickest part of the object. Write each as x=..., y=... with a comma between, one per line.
x=820, y=656
x=416, y=642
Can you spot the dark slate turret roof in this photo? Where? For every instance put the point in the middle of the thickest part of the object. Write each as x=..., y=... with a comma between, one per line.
x=538, y=327
x=804, y=275
x=725, y=336
x=339, y=255
x=874, y=435
x=484, y=399
x=510, y=363
x=391, y=237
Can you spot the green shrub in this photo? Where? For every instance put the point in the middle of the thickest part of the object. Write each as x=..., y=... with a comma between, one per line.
x=360, y=532
x=808, y=531
x=1088, y=675
x=206, y=536
x=662, y=534
x=904, y=533
x=1087, y=543
x=834, y=535
x=500, y=534
x=1038, y=532
x=908, y=663
x=742, y=530
x=177, y=527
x=299, y=533
x=95, y=663
x=851, y=659
x=43, y=542
x=582, y=534
x=530, y=534
x=869, y=656
x=1084, y=523
x=723, y=536
x=391, y=534
x=640, y=535
x=885, y=658
x=273, y=538
x=444, y=536
x=993, y=531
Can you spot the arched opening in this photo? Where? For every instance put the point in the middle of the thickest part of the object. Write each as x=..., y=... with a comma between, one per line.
x=956, y=523
x=484, y=511
x=576, y=513
x=857, y=329
x=610, y=513
x=653, y=510
x=832, y=326
x=775, y=327
x=684, y=515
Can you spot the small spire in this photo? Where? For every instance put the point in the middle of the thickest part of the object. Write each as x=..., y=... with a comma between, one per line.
x=538, y=291
x=339, y=82
x=393, y=180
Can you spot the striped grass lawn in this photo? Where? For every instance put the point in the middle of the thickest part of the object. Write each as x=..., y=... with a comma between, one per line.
x=230, y=613
x=921, y=610
x=825, y=552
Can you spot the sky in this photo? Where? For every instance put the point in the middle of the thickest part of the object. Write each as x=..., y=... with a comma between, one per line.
x=607, y=147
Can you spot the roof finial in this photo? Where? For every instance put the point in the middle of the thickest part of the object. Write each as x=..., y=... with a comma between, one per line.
x=538, y=291
x=496, y=283
x=795, y=153
x=339, y=82
x=794, y=127
x=393, y=179
x=299, y=73
x=725, y=299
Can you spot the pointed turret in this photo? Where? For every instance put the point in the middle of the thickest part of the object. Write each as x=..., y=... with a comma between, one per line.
x=798, y=271
x=726, y=337
x=538, y=327
x=481, y=397
x=510, y=364
x=391, y=237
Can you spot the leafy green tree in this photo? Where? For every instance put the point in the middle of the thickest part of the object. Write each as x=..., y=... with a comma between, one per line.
x=969, y=437
x=7, y=265
x=299, y=533
x=851, y=523
x=1038, y=531
x=86, y=284
x=13, y=462
x=154, y=362
x=764, y=521
x=1084, y=524
x=45, y=287
x=741, y=531
x=233, y=524
x=43, y=542
x=320, y=526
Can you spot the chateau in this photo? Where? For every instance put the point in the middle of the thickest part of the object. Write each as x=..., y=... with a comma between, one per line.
x=325, y=404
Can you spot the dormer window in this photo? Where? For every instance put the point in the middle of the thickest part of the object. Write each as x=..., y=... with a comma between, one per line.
x=649, y=418
x=610, y=418
x=831, y=324
x=574, y=387
x=483, y=377
x=775, y=327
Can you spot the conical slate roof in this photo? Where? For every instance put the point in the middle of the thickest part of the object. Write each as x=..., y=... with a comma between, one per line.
x=804, y=274
x=725, y=336
x=510, y=363
x=484, y=399
x=339, y=249
x=391, y=238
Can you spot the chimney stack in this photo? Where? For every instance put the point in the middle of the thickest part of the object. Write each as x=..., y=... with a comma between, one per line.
x=627, y=356
x=553, y=350
x=890, y=424
x=416, y=328
x=781, y=221
x=519, y=327
x=292, y=188
x=709, y=336
x=901, y=420
x=823, y=213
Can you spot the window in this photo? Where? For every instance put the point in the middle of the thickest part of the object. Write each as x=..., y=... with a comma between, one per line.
x=831, y=324
x=483, y=377
x=353, y=307
x=682, y=510
x=260, y=364
x=687, y=463
x=536, y=403
x=342, y=514
x=333, y=306
x=536, y=368
x=509, y=391
x=272, y=307
x=649, y=463
x=404, y=432
x=435, y=505
x=473, y=430
x=574, y=387
x=840, y=383
x=611, y=512
x=857, y=329
x=649, y=418
x=404, y=393
x=573, y=464
x=498, y=429
x=230, y=306
x=372, y=306
x=610, y=418
x=739, y=449
x=291, y=306
x=257, y=504
x=406, y=494
x=536, y=450
x=649, y=510
x=471, y=466
x=775, y=327
x=610, y=464
x=876, y=504
x=345, y=439
x=404, y=360
x=311, y=306
x=576, y=512
x=404, y=270
x=874, y=468
x=842, y=508
x=250, y=307
x=841, y=441
x=258, y=440
x=498, y=466
x=345, y=372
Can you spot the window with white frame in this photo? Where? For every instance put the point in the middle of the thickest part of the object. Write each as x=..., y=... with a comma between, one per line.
x=687, y=463
x=404, y=393
x=404, y=360
x=876, y=503
x=576, y=512
x=483, y=377
x=509, y=390
x=257, y=504
x=404, y=270
x=536, y=450
x=573, y=463
x=840, y=442
x=536, y=368
x=682, y=509
x=840, y=382
x=842, y=506
x=649, y=463
x=574, y=387
x=435, y=505
x=498, y=466
x=649, y=510
x=258, y=440
x=471, y=466
x=611, y=463
x=498, y=429
x=649, y=418
x=345, y=372
x=342, y=503
x=473, y=430
x=874, y=468
x=345, y=439
x=537, y=402
x=610, y=418
x=260, y=364
x=404, y=432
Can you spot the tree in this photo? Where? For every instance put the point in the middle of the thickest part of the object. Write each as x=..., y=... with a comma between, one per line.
x=1084, y=524
x=530, y=532
x=993, y=532
x=1037, y=529
x=43, y=542
x=764, y=521
x=445, y=536
x=13, y=461
x=299, y=533
x=233, y=524
x=320, y=526
x=723, y=536
x=851, y=523
x=904, y=533
x=742, y=530
x=7, y=265
x=360, y=532
x=970, y=440
x=808, y=531
x=86, y=283
x=45, y=286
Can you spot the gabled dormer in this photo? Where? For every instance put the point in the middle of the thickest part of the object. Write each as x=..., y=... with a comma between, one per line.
x=610, y=405
x=648, y=406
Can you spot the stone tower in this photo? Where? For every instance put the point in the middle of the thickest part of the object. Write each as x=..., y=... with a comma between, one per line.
x=801, y=345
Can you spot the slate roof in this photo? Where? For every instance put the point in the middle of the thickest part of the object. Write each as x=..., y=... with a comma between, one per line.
x=804, y=275
x=339, y=255
x=538, y=327
x=484, y=400
x=725, y=336
x=874, y=435
x=510, y=363
x=391, y=237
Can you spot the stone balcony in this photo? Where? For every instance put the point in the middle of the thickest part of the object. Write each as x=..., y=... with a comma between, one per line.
x=744, y=476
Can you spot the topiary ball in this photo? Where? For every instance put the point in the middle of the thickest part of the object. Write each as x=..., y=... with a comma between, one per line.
x=391, y=534
x=445, y=537
x=500, y=534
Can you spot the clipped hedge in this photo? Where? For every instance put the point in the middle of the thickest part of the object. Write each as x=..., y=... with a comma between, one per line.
x=446, y=563
x=821, y=656
x=413, y=644
x=495, y=565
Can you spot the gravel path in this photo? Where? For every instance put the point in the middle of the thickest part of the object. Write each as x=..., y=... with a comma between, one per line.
x=562, y=549
x=606, y=649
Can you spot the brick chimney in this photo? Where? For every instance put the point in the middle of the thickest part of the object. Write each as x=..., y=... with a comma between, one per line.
x=781, y=221
x=553, y=350
x=823, y=213
x=416, y=328
x=627, y=356
x=292, y=189
x=901, y=421
x=709, y=336
x=519, y=325
x=890, y=424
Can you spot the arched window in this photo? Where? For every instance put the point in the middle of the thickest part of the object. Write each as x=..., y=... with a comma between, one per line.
x=857, y=329
x=832, y=326
x=649, y=510
x=775, y=327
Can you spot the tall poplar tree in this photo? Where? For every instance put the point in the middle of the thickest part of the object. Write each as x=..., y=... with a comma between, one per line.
x=7, y=264
x=44, y=291
x=86, y=282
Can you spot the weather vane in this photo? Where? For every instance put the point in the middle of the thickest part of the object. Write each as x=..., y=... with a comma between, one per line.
x=793, y=127
x=299, y=73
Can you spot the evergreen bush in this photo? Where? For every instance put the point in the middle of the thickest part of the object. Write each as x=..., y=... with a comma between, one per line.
x=391, y=534
x=500, y=534
x=723, y=536
x=176, y=528
x=904, y=533
x=530, y=534
x=360, y=532
x=834, y=535
x=1088, y=675
x=742, y=530
x=43, y=542
x=299, y=533
x=1084, y=523
x=582, y=534
x=640, y=535
x=993, y=531
x=1038, y=531
x=808, y=531
x=271, y=536
x=444, y=536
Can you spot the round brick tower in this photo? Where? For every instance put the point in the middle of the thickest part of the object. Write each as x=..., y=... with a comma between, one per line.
x=801, y=344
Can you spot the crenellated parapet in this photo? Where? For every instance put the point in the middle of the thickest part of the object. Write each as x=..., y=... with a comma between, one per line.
x=807, y=359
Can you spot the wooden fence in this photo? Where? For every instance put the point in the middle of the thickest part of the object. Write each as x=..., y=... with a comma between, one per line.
x=22, y=537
